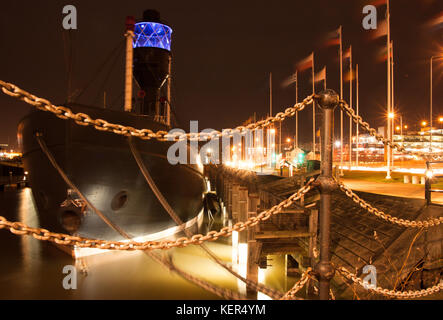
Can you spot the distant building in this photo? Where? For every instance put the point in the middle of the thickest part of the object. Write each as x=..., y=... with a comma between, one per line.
x=421, y=141
x=371, y=150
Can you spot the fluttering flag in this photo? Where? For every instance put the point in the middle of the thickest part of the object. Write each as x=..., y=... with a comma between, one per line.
x=347, y=53
x=382, y=54
x=320, y=76
x=306, y=63
x=332, y=38
x=436, y=23
x=292, y=79
x=379, y=3
x=381, y=31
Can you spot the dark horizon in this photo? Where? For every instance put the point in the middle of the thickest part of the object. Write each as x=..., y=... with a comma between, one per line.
x=222, y=56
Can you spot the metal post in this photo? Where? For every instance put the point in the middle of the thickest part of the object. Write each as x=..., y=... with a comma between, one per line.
x=129, y=62
x=427, y=184
x=388, y=106
x=430, y=114
x=328, y=101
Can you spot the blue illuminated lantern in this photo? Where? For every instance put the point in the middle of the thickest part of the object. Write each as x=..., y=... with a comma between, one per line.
x=152, y=35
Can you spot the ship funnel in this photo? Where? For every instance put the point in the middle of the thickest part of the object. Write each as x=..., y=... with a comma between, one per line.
x=152, y=66
x=151, y=15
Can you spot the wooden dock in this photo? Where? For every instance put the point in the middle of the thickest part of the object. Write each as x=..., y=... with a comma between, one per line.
x=244, y=194
x=404, y=257
x=11, y=175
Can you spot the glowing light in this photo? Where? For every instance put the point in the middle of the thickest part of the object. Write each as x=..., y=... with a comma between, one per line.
x=398, y=128
x=424, y=123
x=273, y=131
x=199, y=162
x=152, y=35
x=429, y=174
x=261, y=279
x=440, y=119
x=234, y=248
x=288, y=140
x=337, y=144
x=391, y=115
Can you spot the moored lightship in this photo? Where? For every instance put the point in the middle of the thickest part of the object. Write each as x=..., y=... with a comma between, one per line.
x=101, y=164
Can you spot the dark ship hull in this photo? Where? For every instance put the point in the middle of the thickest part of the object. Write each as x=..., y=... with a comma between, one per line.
x=103, y=168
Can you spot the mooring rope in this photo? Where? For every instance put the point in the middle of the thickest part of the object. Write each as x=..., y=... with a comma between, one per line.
x=222, y=292
x=257, y=286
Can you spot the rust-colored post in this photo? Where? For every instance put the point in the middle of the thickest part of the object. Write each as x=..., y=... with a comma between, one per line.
x=328, y=101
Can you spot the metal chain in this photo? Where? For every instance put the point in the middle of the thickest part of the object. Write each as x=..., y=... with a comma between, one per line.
x=224, y=293
x=205, y=285
x=274, y=294
x=392, y=293
x=290, y=295
x=19, y=228
x=145, y=134
x=387, y=217
x=359, y=120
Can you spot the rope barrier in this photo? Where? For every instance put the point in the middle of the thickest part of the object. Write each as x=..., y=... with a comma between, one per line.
x=19, y=228
x=274, y=294
x=224, y=293
x=387, y=217
x=359, y=120
x=83, y=119
x=290, y=295
x=391, y=293
x=145, y=134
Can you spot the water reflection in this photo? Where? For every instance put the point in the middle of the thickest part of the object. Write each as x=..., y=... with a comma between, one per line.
x=31, y=269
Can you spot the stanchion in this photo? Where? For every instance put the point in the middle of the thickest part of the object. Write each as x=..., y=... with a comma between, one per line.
x=328, y=101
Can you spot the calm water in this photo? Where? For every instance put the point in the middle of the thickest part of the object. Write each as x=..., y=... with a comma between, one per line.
x=31, y=269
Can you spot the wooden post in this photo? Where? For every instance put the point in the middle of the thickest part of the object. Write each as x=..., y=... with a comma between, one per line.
x=313, y=226
x=229, y=199
x=234, y=202
x=243, y=211
x=253, y=248
x=253, y=203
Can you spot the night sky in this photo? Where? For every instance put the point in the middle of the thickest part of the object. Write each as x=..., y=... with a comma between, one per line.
x=223, y=52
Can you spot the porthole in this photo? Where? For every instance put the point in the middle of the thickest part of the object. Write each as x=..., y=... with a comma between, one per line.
x=70, y=220
x=119, y=200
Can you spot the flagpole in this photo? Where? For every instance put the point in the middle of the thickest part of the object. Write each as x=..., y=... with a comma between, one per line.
x=341, y=97
x=296, y=113
x=325, y=77
x=270, y=94
x=392, y=104
x=313, y=106
x=388, y=20
x=358, y=105
x=350, y=104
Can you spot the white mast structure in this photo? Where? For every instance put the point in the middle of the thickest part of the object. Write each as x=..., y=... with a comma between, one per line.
x=129, y=62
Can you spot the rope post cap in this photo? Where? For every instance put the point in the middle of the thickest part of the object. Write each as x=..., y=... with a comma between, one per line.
x=327, y=99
